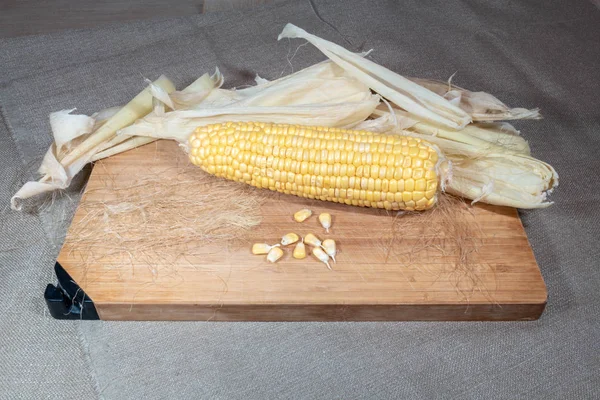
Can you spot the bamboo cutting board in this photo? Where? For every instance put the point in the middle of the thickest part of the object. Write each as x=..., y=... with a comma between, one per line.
x=471, y=264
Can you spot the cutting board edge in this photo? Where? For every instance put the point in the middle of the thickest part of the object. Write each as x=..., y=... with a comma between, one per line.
x=322, y=313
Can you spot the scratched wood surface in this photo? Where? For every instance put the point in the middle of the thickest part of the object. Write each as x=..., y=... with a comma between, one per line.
x=383, y=271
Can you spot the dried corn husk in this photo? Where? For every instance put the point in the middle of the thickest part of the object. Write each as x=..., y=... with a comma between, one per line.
x=197, y=91
x=128, y=144
x=491, y=164
x=66, y=127
x=483, y=137
x=512, y=180
x=318, y=95
x=56, y=176
x=188, y=97
x=415, y=99
x=481, y=106
x=77, y=138
x=178, y=125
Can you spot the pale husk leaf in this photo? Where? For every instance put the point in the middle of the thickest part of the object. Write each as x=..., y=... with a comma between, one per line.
x=417, y=100
x=179, y=125
x=66, y=127
x=481, y=106
x=494, y=174
x=318, y=95
x=64, y=159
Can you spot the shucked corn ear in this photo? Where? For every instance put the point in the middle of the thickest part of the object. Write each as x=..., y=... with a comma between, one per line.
x=360, y=168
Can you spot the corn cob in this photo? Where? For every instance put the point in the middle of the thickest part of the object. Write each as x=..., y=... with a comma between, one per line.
x=360, y=168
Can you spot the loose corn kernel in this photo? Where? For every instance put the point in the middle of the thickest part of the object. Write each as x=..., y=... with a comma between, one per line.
x=312, y=240
x=262, y=248
x=289, y=239
x=321, y=256
x=329, y=246
x=274, y=254
x=325, y=220
x=299, y=251
x=302, y=215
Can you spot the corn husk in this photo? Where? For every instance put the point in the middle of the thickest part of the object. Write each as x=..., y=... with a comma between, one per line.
x=186, y=98
x=56, y=176
x=490, y=163
x=77, y=138
x=139, y=106
x=128, y=144
x=318, y=95
x=512, y=180
x=488, y=137
x=195, y=93
x=179, y=125
x=481, y=106
x=66, y=127
x=418, y=101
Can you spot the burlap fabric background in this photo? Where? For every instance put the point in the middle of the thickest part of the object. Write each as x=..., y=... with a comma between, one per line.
x=530, y=54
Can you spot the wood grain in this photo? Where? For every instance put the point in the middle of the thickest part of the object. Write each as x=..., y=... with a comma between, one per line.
x=383, y=271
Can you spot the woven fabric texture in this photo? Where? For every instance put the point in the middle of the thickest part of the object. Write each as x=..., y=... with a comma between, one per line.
x=527, y=53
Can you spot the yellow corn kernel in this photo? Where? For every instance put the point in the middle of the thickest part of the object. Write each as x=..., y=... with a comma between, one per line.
x=299, y=251
x=422, y=202
x=312, y=240
x=302, y=215
x=289, y=238
x=325, y=220
x=321, y=256
x=262, y=248
x=329, y=247
x=274, y=254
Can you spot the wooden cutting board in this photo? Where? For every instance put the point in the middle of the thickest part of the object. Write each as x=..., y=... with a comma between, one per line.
x=474, y=263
